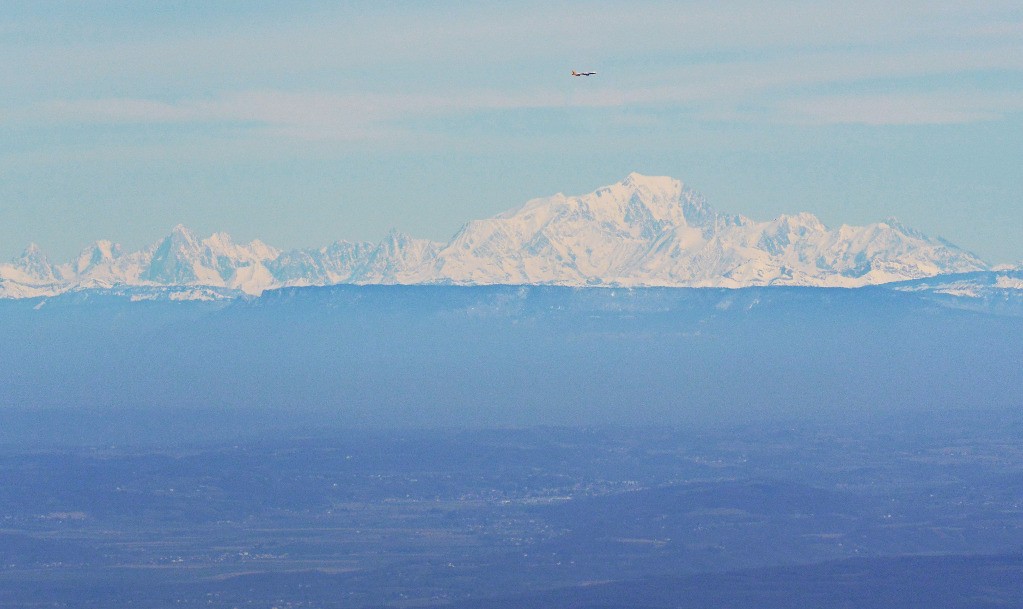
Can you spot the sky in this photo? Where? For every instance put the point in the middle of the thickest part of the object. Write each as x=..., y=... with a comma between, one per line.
x=302, y=123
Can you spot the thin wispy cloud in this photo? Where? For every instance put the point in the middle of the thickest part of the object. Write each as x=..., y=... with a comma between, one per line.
x=329, y=46
x=785, y=83
x=355, y=74
x=903, y=109
x=305, y=115
x=261, y=84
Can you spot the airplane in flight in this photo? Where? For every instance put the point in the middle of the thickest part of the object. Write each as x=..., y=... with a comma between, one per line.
x=574, y=73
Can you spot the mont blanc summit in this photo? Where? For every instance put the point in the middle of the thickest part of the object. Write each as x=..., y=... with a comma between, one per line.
x=653, y=231
x=641, y=231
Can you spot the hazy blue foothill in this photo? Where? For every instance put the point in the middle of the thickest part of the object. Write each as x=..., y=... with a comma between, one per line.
x=409, y=356
x=515, y=446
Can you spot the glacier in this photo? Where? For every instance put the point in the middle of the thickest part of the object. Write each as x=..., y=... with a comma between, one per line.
x=644, y=231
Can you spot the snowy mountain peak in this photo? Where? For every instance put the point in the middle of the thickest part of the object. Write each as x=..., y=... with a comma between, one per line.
x=648, y=230
x=35, y=265
x=647, y=188
x=396, y=237
x=182, y=236
x=182, y=258
x=262, y=251
x=100, y=252
x=667, y=199
x=635, y=201
x=894, y=223
x=801, y=224
x=642, y=230
x=173, y=260
x=664, y=185
x=219, y=240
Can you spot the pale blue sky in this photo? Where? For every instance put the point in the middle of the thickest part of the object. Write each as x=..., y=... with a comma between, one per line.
x=301, y=123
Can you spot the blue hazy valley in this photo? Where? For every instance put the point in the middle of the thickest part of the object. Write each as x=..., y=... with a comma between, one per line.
x=515, y=446
x=400, y=356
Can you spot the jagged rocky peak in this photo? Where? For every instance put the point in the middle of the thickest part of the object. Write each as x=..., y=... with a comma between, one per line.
x=659, y=193
x=893, y=223
x=182, y=239
x=662, y=200
x=179, y=242
x=180, y=232
x=34, y=263
x=800, y=224
x=32, y=250
x=638, y=201
x=218, y=240
x=403, y=248
x=346, y=249
x=262, y=251
x=396, y=239
x=31, y=253
x=221, y=244
x=100, y=252
x=642, y=230
x=173, y=259
x=654, y=186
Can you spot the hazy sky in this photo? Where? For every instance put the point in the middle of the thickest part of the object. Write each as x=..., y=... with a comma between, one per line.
x=301, y=123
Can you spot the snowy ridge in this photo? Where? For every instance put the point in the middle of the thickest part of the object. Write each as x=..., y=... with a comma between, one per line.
x=988, y=286
x=642, y=231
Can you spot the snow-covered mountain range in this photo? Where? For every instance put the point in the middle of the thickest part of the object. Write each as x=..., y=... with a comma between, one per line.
x=642, y=231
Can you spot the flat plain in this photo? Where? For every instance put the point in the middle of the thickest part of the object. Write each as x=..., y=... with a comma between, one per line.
x=778, y=516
